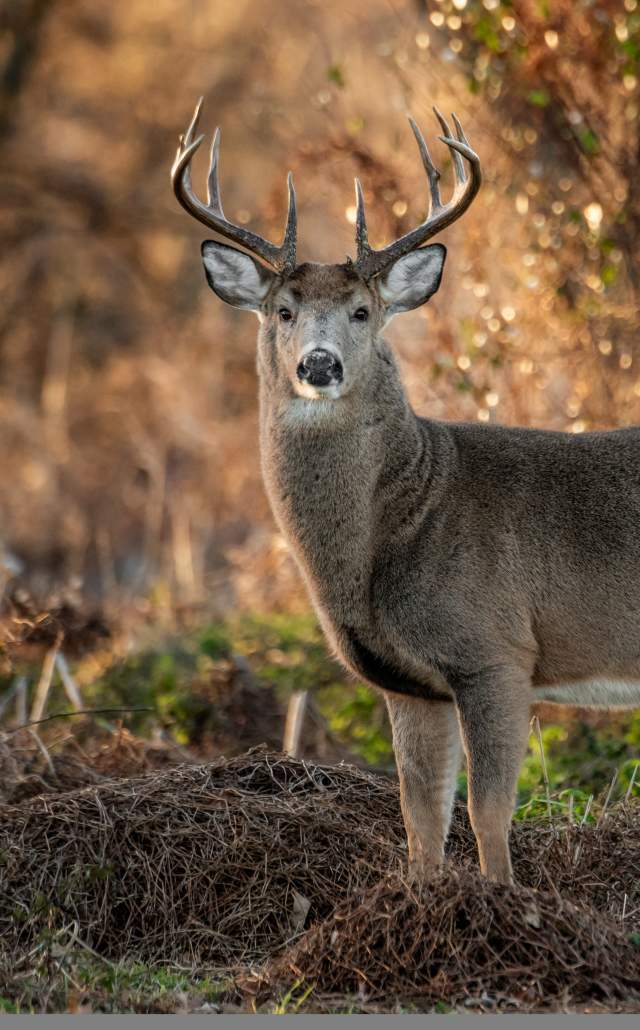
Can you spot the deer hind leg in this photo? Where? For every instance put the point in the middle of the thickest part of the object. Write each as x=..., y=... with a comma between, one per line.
x=426, y=743
x=494, y=723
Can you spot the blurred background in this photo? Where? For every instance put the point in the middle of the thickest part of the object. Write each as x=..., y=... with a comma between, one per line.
x=128, y=409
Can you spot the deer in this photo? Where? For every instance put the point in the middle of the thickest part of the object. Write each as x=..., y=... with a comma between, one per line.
x=465, y=570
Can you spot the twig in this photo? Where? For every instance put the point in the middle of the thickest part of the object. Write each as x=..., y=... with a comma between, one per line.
x=81, y=711
x=45, y=753
x=73, y=933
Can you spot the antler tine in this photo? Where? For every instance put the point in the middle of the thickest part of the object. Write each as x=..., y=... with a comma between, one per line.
x=369, y=262
x=458, y=167
x=282, y=258
x=466, y=151
x=290, y=238
x=213, y=186
x=193, y=125
x=432, y=172
x=362, y=237
x=459, y=130
x=461, y=139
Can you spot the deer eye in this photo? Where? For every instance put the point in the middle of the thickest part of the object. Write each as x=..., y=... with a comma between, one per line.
x=361, y=315
x=285, y=314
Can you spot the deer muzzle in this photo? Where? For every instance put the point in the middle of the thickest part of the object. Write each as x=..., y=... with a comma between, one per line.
x=320, y=368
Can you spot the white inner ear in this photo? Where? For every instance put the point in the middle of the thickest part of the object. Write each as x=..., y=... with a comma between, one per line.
x=412, y=279
x=236, y=275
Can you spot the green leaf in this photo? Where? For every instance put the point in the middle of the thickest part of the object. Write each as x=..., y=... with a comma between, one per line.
x=589, y=141
x=609, y=274
x=334, y=74
x=539, y=98
x=485, y=32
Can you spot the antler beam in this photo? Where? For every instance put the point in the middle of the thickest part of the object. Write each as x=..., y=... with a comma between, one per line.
x=370, y=262
x=282, y=258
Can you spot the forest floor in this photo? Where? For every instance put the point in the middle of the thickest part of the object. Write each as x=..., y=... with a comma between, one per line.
x=159, y=854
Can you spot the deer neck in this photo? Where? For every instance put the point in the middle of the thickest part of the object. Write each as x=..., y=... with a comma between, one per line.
x=335, y=473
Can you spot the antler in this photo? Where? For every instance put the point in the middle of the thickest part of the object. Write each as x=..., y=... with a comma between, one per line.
x=282, y=258
x=371, y=262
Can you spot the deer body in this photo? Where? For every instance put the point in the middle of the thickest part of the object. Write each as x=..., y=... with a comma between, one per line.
x=458, y=573
x=465, y=570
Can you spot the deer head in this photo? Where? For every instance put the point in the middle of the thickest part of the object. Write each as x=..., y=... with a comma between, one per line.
x=321, y=323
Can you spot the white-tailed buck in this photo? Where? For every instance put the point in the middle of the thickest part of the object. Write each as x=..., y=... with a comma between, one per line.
x=466, y=570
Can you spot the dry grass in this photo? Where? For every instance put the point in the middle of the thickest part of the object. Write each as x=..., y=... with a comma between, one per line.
x=464, y=939
x=279, y=870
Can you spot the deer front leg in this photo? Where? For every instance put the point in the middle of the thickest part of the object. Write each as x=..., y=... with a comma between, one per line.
x=493, y=709
x=426, y=743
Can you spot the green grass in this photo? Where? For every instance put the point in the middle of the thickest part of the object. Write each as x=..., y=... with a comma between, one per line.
x=69, y=980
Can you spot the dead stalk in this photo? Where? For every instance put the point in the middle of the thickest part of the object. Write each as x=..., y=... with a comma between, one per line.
x=545, y=775
x=45, y=753
x=293, y=725
x=614, y=780
x=21, y=700
x=631, y=781
x=587, y=809
x=68, y=682
x=44, y=684
x=9, y=695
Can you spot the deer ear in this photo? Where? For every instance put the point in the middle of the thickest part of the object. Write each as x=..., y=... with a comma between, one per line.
x=412, y=279
x=236, y=277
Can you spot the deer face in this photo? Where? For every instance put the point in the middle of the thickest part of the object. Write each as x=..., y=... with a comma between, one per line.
x=320, y=323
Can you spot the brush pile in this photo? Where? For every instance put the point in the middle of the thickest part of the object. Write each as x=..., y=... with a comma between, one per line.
x=279, y=870
x=215, y=864
x=29, y=767
x=464, y=941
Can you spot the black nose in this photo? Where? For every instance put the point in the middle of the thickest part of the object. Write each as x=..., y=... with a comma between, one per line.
x=319, y=368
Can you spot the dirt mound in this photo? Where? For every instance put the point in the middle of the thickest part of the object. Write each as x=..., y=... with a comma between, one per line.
x=464, y=940
x=218, y=864
x=232, y=863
